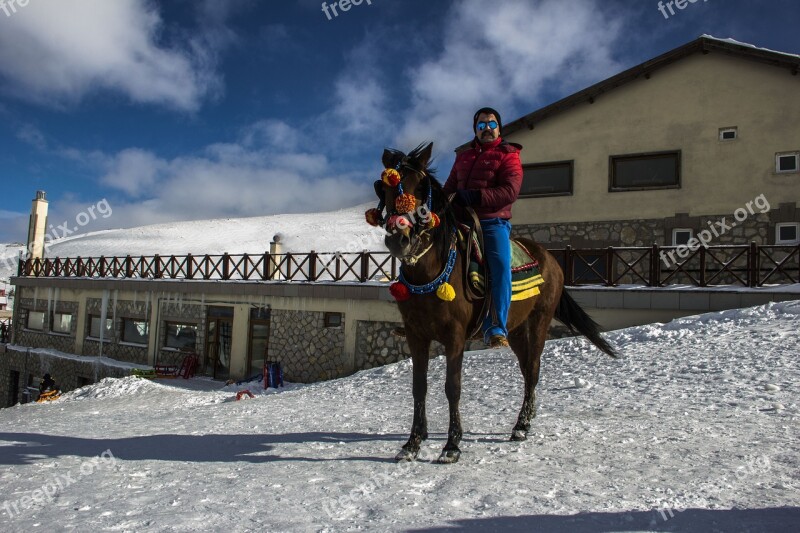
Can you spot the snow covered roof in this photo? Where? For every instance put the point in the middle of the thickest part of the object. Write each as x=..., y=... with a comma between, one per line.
x=703, y=44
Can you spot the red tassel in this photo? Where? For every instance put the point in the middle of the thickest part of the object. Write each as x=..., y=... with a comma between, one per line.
x=390, y=177
x=373, y=217
x=399, y=291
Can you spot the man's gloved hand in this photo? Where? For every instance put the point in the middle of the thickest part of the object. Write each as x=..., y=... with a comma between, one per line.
x=467, y=197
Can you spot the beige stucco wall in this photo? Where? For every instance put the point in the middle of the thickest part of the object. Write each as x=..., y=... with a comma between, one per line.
x=681, y=107
x=352, y=310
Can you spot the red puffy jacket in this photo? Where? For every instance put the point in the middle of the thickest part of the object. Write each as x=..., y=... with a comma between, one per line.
x=495, y=170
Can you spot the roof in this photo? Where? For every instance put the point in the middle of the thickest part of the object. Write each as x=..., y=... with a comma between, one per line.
x=705, y=44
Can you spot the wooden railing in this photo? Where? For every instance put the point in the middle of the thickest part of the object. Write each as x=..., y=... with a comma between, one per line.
x=750, y=265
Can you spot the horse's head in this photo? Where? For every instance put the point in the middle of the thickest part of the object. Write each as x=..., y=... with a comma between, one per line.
x=410, y=193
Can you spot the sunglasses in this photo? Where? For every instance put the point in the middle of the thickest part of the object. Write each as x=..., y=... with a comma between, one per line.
x=482, y=125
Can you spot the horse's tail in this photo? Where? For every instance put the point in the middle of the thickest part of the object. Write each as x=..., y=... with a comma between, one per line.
x=575, y=318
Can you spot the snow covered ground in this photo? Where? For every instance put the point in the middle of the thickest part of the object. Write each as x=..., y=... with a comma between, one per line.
x=344, y=230
x=695, y=429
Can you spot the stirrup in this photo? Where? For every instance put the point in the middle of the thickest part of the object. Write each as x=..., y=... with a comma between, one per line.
x=498, y=341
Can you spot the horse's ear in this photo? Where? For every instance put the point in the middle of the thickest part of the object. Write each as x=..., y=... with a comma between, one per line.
x=425, y=155
x=390, y=158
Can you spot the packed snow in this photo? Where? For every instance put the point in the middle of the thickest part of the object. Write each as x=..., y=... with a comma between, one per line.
x=694, y=429
x=338, y=231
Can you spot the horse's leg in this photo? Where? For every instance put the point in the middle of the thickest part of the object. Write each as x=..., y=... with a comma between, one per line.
x=419, y=428
x=452, y=389
x=527, y=341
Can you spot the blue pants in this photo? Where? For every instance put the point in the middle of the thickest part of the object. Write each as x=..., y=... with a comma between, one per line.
x=496, y=234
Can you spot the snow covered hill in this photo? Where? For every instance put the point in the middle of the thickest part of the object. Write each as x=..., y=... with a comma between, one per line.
x=695, y=429
x=344, y=231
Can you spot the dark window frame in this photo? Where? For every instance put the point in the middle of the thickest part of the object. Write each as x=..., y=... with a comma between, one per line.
x=570, y=192
x=794, y=155
x=783, y=242
x=329, y=322
x=53, y=322
x=28, y=320
x=674, y=240
x=89, y=327
x=126, y=319
x=167, y=323
x=731, y=129
x=641, y=156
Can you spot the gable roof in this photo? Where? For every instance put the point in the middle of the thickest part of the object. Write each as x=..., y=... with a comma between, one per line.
x=705, y=44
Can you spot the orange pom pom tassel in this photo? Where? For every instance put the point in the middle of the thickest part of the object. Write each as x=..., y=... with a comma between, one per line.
x=405, y=203
x=373, y=217
x=434, y=221
x=390, y=177
x=399, y=291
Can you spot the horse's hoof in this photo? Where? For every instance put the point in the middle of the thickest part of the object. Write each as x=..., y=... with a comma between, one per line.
x=406, y=456
x=449, y=457
x=518, y=435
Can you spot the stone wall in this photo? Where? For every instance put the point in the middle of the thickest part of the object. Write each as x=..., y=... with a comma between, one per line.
x=180, y=312
x=758, y=228
x=64, y=342
x=114, y=346
x=643, y=232
x=68, y=372
x=306, y=349
x=376, y=346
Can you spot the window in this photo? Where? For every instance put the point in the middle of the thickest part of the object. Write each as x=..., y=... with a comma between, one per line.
x=645, y=171
x=135, y=330
x=35, y=320
x=681, y=236
x=728, y=134
x=94, y=327
x=787, y=162
x=62, y=323
x=787, y=233
x=333, y=320
x=547, y=179
x=181, y=335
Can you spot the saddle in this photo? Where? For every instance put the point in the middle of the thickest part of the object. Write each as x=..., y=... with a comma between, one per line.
x=525, y=275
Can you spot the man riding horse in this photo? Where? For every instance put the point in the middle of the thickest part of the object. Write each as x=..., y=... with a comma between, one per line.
x=433, y=282
x=487, y=177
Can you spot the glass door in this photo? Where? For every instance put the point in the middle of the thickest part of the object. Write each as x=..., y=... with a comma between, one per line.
x=219, y=335
x=259, y=340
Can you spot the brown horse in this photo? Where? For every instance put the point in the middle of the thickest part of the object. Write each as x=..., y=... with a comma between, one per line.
x=424, y=252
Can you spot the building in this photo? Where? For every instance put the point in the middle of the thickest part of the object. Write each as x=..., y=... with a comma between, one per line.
x=666, y=150
x=661, y=153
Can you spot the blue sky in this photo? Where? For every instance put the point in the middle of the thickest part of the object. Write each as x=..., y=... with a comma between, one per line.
x=189, y=110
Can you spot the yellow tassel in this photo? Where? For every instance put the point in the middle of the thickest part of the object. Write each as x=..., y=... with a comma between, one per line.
x=446, y=292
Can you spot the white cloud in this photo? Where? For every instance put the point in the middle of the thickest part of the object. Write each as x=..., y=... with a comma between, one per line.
x=32, y=135
x=503, y=56
x=81, y=47
x=134, y=171
x=247, y=177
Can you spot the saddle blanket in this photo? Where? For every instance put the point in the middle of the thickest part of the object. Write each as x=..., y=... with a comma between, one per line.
x=525, y=275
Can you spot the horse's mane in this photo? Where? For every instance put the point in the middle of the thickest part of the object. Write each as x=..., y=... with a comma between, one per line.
x=411, y=161
x=442, y=234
